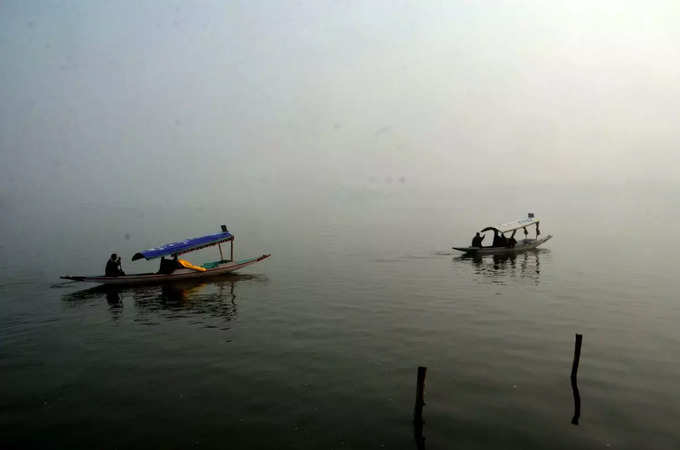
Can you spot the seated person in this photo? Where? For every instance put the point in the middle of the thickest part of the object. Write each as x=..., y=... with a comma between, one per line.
x=169, y=265
x=477, y=240
x=166, y=266
x=502, y=240
x=113, y=266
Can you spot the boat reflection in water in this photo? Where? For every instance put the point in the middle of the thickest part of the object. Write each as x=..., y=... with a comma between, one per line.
x=205, y=298
x=501, y=268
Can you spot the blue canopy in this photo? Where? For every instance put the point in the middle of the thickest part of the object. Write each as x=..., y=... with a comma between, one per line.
x=184, y=246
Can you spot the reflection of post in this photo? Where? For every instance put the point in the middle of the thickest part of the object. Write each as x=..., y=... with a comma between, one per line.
x=574, y=384
x=418, y=410
x=418, y=435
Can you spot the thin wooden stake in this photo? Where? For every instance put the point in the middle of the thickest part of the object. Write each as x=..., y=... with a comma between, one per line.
x=574, y=383
x=577, y=355
x=420, y=396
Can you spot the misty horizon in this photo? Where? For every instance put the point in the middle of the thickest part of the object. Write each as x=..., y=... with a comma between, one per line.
x=103, y=102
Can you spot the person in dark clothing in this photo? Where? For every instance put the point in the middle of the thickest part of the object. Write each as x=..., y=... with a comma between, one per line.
x=163, y=268
x=113, y=266
x=169, y=265
x=477, y=240
x=496, y=241
x=502, y=240
x=511, y=241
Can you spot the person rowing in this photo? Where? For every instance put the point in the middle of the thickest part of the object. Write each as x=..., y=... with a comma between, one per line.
x=477, y=240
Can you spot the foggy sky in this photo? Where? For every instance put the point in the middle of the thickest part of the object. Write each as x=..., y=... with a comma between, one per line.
x=151, y=101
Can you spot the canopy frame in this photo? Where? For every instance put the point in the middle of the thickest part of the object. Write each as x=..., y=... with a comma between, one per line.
x=516, y=225
x=188, y=245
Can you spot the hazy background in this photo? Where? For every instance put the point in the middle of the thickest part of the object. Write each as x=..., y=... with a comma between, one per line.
x=356, y=142
x=125, y=115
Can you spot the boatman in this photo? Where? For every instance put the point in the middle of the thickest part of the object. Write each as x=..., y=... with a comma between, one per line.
x=477, y=240
x=113, y=266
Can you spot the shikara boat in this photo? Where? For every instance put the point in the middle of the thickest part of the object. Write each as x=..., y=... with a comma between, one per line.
x=184, y=270
x=520, y=246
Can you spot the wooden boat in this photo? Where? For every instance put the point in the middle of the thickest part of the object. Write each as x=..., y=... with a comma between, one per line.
x=522, y=245
x=187, y=270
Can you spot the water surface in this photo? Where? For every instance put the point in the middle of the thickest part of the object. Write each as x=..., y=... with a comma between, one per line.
x=318, y=346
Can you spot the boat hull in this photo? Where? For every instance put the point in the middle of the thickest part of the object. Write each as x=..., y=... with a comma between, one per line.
x=180, y=274
x=521, y=246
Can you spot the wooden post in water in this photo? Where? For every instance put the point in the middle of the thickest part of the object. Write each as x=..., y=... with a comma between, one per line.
x=418, y=410
x=420, y=394
x=577, y=355
x=574, y=384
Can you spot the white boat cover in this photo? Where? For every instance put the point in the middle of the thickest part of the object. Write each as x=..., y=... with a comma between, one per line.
x=517, y=224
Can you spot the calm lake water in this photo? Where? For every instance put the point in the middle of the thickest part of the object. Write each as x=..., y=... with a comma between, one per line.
x=318, y=346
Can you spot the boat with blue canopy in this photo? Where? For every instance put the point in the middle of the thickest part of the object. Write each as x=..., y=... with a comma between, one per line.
x=177, y=268
x=509, y=245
